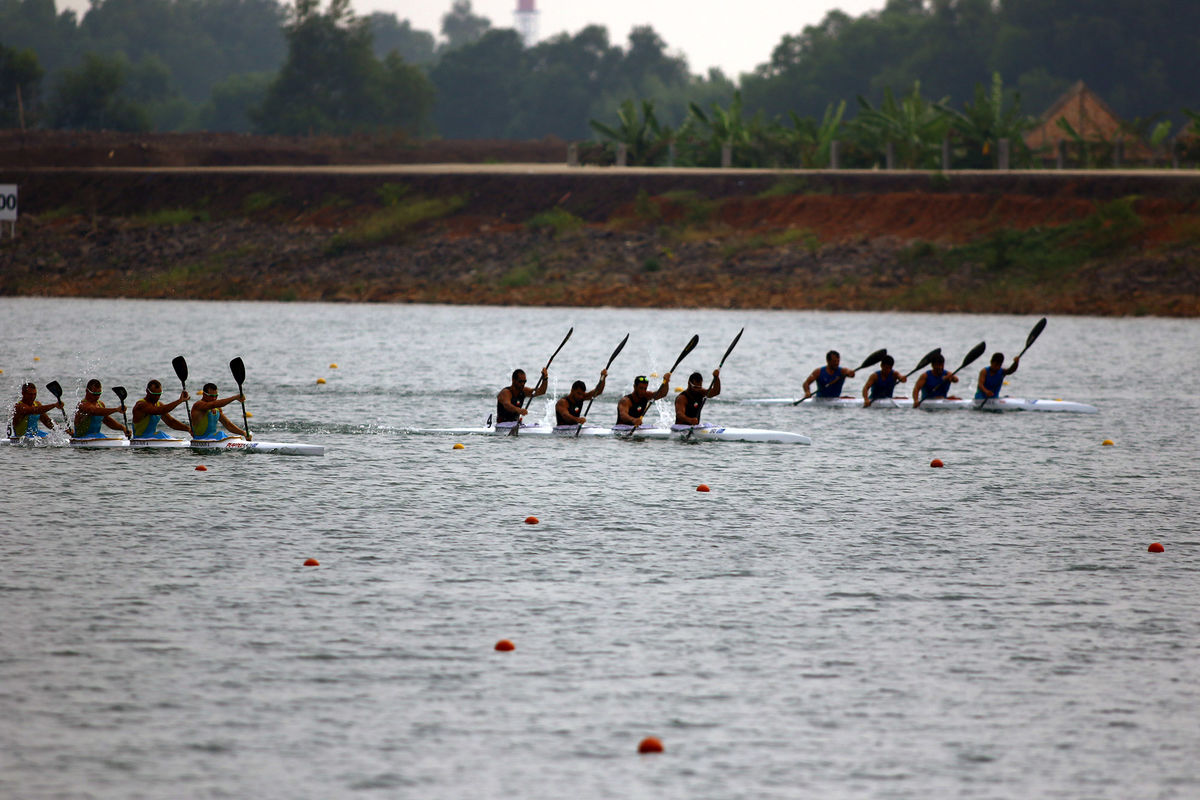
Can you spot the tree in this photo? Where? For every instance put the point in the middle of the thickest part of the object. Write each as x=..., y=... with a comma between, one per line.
x=20, y=79
x=981, y=125
x=89, y=98
x=478, y=86
x=645, y=140
x=462, y=27
x=914, y=126
x=398, y=36
x=229, y=107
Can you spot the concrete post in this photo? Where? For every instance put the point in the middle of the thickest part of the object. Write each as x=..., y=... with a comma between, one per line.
x=1174, y=155
x=726, y=155
x=572, y=155
x=671, y=154
x=1118, y=146
x=946, y=154
x=1060, y=154
x=891, y=155
x=835, y=154
x=1003, y=154
x=622, y=155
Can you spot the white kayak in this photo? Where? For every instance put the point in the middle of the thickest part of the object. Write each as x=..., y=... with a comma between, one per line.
x=966, y=404
x=228, y=445
x=700, y=433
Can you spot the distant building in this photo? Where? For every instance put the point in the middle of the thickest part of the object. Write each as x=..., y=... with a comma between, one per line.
x=1091, y=118
x=526, y=20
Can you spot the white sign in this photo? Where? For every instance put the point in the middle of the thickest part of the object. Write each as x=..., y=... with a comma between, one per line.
x=8, y=202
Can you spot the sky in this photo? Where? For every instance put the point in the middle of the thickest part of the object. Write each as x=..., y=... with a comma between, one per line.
x=736, y=36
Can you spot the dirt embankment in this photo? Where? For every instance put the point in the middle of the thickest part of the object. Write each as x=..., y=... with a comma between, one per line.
x=1034, y=242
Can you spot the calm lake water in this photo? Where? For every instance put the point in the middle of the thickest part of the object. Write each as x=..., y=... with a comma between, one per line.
x=833, y=621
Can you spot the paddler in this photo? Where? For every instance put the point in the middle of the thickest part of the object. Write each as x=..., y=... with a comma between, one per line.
x=511, y=399
x=934, y=383
x=206, y=413
x=148, y=411
x=632, y=407
x=882, y=382
x=991, y=377
x=91, y=414
x=691, y=400
x=27, y=413
x=830, y=377
x=569, y=408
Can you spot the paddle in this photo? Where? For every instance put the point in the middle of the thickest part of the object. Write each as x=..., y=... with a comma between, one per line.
x=1029, y=340
x=180, y=365
x=970, y=357
x=521, y=403
x=690, y=347
x=56, y=390
x=924, y=362
x=121, y=394
x=239, y=376
x=611, y=358
x=728, y=350
x=870, y=361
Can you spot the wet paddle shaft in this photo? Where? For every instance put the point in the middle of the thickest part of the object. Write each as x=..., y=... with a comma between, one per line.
x=516, y=428
x=1029, y=340
x=728, y=350
x=611, y=359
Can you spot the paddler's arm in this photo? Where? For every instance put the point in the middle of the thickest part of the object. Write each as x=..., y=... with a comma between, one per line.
x=542, y=385
x=682, y=418
x=849, y=373
x=1016, y=363
x=599, y=390
x=714, y=388
x=867, y=389
x=662, y=390
x=986, y=392
x=164, y=408
x=562, y=411
x=808, y=382
x=505, y=400
x=116, y=426
x=917, y=390
x=45, y=419
x=173, y=423
x=623, y=417
x=229, y=426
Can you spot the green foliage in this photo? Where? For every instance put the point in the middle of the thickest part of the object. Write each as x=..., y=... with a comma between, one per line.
x=390, y=194
x=169, y=216
x=982, y=123
x=461, y=26
x=20, y=75
x=257, y=202
x=233, y=100
x=521, y=275
x=390, y=223
x=557, y=219
x=645, y=141
x=913, y=125
x=91, y=98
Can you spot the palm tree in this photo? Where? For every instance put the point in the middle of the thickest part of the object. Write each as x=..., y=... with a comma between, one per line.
x=644, y=138
x=983, y=123
x=914, y=126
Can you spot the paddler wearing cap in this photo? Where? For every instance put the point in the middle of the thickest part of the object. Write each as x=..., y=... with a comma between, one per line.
x=91, y=414
x=632, y=407
x=27, y=413
x=510, y=402
x=569, y=408
x=148, y=412
x=690, y=401
x=206, y=413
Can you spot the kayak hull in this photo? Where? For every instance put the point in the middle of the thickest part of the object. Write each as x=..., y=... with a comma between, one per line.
x=235, y=445
x=700, y=434
x=966, y=404
x=231, y=445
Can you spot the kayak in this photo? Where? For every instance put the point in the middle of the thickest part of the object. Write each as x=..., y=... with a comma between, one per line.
x=966, y=404
x=700, y=433
x=200, y=445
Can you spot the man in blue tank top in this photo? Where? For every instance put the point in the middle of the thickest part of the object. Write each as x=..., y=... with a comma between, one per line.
x=830, y=377
x=569, y=408
x=633, y=406
x=690, y=401
x=882, y=382
x=148, y=412
x=510, y=401
x=206, y=413
x=91, y=413
x=934, y=383
x=991, y=377
x=27, y=413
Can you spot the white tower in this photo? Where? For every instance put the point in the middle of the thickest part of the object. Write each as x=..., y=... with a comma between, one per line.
x=526, y=18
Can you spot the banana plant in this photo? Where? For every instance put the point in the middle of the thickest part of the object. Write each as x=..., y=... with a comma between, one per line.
x=913, y=125
x=813, y=139
x=645, y=139
x=983, y=123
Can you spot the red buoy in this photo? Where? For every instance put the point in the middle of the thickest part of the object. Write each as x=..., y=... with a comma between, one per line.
x=531, y=520
x=311, y=562
x=505, y=646
x=201, y=468
x=651, y=744
x=1155, y=547
x=937, y=462
x=702, y=487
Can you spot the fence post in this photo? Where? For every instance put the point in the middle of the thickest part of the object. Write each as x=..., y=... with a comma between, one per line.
x=726, y=155
x=835, y=148
x=572, y=155
x=1003, y=154
x=946, y=154
x=1118, y=146
x=890, y=156
x=671, y=154
x=1174, y=154
x=1060, y=154
x=622, y=155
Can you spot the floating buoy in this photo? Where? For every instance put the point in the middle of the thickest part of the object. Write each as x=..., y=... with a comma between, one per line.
x=1107, y=443
x=320, y=381
x=249, y=414
x=653, y=374
x=937, y=462
x=458, y=446
x=311, y=562
x=201, y=468
x=651, y=744
x=505, y=646
x=333, y=366
x=678, y=389
x=1155, y=547
x=35, y=358
x=531, y=520
x=702, y=487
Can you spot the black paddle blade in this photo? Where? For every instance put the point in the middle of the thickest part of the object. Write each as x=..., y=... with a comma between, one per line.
x=690, y=347
x=617, y=352
x=560, y=347
x=54, y=389
x=924, y=362
x=872, y=359
x=180, y=365
x=1036, y=332
x=121, y=394
x=239, y=371
x=731, y=346
x=975, y=353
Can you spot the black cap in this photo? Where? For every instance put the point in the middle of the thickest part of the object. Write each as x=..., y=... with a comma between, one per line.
x=641, y=379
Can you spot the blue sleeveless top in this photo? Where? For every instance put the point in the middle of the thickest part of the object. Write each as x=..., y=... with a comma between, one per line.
x=883, y=387
x=935, y=386
x=830, y=384
x=28, y=427
x=994, y=381
x=212, y=418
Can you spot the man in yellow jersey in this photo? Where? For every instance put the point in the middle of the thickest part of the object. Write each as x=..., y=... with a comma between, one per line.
x=207, y=413
x=148, y=411
x=27, y=413
x=91, y=414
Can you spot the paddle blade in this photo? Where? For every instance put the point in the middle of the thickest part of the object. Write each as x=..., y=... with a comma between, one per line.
x=731, y=346
x=560, y=347
x=239, y=371
x=54, y=389
x=121, y=394
x=924, y=362
x=690, y=347
x=975, y=353
x=872, y=359
x=180, y=365
x=617, y=352
x=1036, y=332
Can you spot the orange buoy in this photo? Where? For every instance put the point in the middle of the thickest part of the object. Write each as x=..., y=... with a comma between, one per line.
x=311, y=562
x=505, y=646
x=531, y=520
x=333, y=366
x=320, y=381
x=1155, y=547
x=651, y=744
x=1107, y=443
x=937, y=462
x=201, y=468
x=458, y=446
x=702, y=487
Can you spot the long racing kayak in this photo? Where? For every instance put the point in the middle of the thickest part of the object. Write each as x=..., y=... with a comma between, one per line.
x=700, y=433
x=232, y=444
x=966, y=404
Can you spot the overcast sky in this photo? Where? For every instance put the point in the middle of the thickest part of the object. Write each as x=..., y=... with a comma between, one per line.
x=736, y=36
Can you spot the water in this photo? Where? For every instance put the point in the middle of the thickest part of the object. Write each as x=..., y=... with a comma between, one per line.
x=836, y=621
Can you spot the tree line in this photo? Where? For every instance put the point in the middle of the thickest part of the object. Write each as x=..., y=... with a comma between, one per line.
x=902, y=73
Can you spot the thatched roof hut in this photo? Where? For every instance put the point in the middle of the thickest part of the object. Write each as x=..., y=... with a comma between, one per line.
x=1091, y=118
